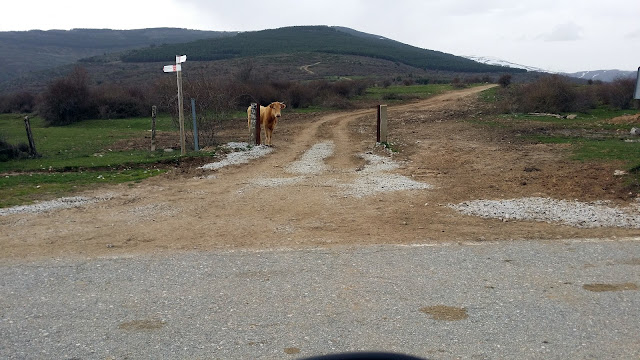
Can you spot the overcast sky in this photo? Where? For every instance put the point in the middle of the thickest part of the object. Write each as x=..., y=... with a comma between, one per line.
x=556, y=35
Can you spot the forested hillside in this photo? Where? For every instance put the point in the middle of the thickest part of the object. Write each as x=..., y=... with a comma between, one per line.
x=23, y=52
x=301, y=39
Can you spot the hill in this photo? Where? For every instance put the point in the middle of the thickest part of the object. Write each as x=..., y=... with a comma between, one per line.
x=24, y=52
x=293, y=53
x=603, y=75
x=322, y=39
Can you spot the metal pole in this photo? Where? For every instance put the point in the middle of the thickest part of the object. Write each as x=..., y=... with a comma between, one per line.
x=636, y=95
x=153, y=128
x=195, y=125
x=183, y=149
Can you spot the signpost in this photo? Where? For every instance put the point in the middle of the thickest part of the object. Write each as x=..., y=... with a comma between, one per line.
x=177, y=68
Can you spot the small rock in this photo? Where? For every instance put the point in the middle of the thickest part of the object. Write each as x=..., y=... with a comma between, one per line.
x=168, y=150
x=619, y=173
x=635, y=131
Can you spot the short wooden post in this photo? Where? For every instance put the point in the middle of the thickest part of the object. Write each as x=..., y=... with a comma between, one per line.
x=32, y=144
x=254, y=126
x=153, y=128
x=195, y=125
x=382, y=124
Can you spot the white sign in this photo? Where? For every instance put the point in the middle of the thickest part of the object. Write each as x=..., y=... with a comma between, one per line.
x=172, y=68
x=181, y=59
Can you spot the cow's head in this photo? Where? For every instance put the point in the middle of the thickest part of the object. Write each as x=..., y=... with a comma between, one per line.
x=276, y=107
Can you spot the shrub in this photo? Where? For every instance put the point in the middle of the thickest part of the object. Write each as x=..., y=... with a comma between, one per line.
x=116, y=102
x=11, y=152
x=67, y=100
x=505, y=80
x=20, y=102
x=554, y=94
x=457, y=83
x=618, y=93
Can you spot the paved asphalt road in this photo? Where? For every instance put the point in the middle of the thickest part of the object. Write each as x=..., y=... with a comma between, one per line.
x=506, y=300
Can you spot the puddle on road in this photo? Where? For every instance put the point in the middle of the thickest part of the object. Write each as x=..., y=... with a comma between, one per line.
x=445, y=313
x=634, y=261
x=610, y=287
x=291, y=351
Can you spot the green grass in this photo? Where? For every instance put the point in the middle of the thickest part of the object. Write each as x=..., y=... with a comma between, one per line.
x=77, y=157
x=490, y=95
x=598, y=149
x=26, y=188
x=415, y=91
x=81, y=145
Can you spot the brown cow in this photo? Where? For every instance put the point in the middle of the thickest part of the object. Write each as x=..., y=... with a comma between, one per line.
x=268, y=118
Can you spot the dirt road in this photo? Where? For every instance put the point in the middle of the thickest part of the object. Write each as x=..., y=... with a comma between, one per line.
x=271, y=203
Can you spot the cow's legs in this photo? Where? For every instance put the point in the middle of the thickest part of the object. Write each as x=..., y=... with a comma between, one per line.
x=268, y=130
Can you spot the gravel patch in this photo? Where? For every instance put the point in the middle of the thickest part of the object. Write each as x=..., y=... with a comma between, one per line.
x=57, y=204
x=312, y=161
x=150, y=212
x=373, y=178
x=276, y=182
x=572, y=213
x=241, y=155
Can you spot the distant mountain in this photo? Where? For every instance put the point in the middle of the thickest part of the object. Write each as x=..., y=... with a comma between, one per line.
x=603, y=75
x=499, y=62
x=33, y=58
x=314, y=39
x=23, y=52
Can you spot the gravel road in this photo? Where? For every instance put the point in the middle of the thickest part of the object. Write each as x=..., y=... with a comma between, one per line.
x=566, y=299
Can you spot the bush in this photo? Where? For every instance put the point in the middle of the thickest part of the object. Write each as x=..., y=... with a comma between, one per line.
x=115, y=102
x=20, y=102
x=68, y=100
x=618, y=94
x=11, y=152
x=557, y=94
x=505, y=80
x=552, y=94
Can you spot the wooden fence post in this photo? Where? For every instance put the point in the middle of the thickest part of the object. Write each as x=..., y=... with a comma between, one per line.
x=32, y=144
x=153, y=128
x=254, y=125
x=381, y=135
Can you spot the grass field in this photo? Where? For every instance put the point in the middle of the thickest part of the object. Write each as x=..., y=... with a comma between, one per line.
x=402, y=92
x=76, y=157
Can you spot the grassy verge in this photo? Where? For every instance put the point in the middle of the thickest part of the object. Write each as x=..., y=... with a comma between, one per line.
x=401, y=92
x=25, y=188
x=77, y=157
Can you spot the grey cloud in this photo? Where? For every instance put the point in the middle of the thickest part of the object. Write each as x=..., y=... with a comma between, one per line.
x=569, y=31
